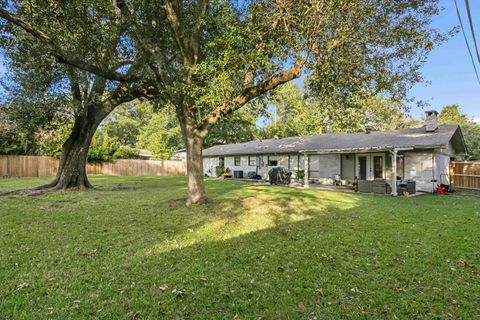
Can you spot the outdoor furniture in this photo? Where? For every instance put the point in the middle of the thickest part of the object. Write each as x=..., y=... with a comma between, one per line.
x=365, y=186
x=379, y=186
x=409, y=186
x=253, y=175
x=279, y=176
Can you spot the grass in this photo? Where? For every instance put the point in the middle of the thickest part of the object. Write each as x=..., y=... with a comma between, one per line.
x=131, y=250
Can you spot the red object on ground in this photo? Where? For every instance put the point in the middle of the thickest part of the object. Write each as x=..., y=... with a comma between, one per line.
x=441, y=190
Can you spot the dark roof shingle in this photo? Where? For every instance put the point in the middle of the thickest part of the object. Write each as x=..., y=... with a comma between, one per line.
x=406, y=138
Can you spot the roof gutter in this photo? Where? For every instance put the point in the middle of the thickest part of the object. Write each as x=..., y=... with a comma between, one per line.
x=350, y=150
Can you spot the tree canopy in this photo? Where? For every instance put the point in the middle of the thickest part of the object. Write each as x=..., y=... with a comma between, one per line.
x=210, y=58
x=296, y=113
x=452, y=114
x=49, y=69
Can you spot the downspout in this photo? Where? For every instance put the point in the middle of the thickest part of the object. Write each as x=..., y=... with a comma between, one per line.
x=341, y=167
x=298, y=165
x=306, y=168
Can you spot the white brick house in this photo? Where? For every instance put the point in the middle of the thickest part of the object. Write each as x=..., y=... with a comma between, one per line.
x=419, y=154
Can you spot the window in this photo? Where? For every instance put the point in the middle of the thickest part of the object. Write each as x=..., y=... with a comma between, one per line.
x=272, y=161
x=252, y=161
x=236, y=161
x=221, y=162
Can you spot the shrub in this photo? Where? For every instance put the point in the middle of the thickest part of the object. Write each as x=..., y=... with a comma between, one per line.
x=126, y=152
x=218, y=170
x=301, y=175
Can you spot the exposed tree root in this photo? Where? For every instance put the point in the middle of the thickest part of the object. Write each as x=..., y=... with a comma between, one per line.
x=49, y=187
x=194, y=202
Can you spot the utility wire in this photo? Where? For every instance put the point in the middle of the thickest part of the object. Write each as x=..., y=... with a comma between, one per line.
x=472, y=29
x=466, y=41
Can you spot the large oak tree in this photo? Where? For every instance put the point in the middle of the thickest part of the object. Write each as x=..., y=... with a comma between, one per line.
x=211, y=57
x=47, y=72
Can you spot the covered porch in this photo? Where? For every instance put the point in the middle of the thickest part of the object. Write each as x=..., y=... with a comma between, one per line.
x=365, y=170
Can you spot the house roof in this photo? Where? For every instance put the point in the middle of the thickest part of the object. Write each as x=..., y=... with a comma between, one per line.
x=406, y=138
x=145, y=153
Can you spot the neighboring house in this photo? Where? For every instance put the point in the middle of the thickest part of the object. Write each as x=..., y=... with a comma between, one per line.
x=145, y=154
x=180, y=154
x=419, y=154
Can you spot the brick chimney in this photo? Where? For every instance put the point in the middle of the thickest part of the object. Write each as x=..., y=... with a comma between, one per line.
x=431, y=121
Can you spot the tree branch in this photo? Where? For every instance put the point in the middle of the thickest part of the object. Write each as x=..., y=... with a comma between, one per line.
x=195, y=35
x=60, y=55
x=125, y=93
x=74, y=85
x=176, y=28
x=150, y=53
x=251, y=92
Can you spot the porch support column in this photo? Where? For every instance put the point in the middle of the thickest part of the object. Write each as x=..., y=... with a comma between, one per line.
x=394, y=172
x=306, y=170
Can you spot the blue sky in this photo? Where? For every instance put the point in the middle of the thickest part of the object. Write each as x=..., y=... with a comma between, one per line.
x=448, y=68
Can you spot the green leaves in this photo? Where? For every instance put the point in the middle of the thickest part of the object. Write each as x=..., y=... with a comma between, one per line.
x=34, y=127
x=297, y=114
x=210, y=53
x=161, y=134
x=452, y=114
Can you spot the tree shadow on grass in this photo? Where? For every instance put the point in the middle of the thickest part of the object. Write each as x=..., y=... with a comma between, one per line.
x=252, y=251
x=291, y=253
x=315, y=267
x=329, y=265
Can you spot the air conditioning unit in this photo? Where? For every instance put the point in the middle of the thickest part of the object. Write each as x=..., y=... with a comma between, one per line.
x=238, y=174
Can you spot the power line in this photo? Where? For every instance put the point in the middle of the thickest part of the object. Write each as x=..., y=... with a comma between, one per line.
x=466, y=41
x=471, y=29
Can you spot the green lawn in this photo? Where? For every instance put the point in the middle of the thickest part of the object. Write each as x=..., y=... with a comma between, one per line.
x=131, y=250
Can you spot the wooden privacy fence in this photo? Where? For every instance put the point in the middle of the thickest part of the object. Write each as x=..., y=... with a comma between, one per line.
x=33, y=166
x=465, y=175
x=133, y=167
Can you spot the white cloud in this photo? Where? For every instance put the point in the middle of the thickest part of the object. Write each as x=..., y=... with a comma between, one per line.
x=476, y=119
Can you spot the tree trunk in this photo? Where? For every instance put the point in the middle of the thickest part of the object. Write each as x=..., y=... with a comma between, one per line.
x=71, y=172
x=196, y=185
